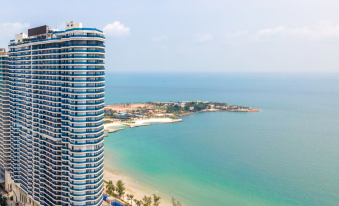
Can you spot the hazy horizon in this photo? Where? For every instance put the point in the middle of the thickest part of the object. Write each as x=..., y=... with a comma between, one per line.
x=225, y=72
x=196, y=36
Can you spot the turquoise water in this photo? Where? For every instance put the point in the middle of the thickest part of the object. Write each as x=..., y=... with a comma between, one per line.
x=287, y=154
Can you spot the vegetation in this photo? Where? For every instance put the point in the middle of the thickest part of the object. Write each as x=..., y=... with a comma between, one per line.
x=198, y=106
x=146, y=201
x=3, y=201
x=176, y=109
x=156, y=200
x=112, y=113
x=137, y=202
x=120, y=188
x=130, y=197
x=110, y=187
x=173, y=109
x=176, y=202
x=162, y=107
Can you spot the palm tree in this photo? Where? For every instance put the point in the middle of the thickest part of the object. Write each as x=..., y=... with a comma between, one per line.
x=110, y=187
x=156, y=200
x=147, y=201
x=130, y=197
x=137, y=202
x=120, y=188
x=176, y=202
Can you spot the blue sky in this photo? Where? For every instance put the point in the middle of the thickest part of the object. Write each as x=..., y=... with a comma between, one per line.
x=196, y=35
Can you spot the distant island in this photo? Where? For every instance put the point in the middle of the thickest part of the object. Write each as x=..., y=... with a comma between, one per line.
x=143, y=114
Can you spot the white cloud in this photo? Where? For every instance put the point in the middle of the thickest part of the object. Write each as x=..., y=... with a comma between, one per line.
x=10, y=29
x=203, y=38
x=116, y=29
x=284, y=32
x=325, y=30
x=160, y=38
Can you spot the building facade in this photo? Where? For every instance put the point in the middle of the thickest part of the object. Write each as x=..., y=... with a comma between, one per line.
x=56, y=96
x=5, y=143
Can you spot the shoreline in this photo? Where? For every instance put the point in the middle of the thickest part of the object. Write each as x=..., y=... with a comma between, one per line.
x=219, y=110
x=147, y=122
x=138, y=189
x=141, y=122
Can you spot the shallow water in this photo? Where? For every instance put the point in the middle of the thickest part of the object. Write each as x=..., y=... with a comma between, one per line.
x=287, y=154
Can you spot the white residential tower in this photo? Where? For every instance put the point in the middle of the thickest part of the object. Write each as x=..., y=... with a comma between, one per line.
x=56, y=97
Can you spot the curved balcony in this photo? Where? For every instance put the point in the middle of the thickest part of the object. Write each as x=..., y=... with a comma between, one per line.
x=89, y=45
x=88, y=36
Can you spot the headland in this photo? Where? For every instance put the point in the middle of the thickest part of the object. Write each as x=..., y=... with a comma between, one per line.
x=132, y=115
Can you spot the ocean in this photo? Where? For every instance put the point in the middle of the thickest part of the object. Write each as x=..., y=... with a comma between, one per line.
x=286, y=154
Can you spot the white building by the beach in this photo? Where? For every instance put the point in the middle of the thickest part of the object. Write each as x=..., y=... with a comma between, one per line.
x=56, y=97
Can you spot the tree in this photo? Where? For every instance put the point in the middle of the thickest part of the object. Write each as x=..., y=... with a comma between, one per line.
x=120, y=188
x=173, y=109
x=147, y=201
x=176, y=202
x=187, y=106
x=3, y=201
x=130, y=197
x=112, y=112
x=110, y=187
x=200, y=106
x=156, y=200
x=137, y=202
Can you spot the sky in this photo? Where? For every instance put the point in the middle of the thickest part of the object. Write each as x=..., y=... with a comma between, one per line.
x=195, y=35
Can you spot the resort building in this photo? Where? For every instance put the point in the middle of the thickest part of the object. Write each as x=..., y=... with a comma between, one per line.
x=56, y=97
x=5, y=143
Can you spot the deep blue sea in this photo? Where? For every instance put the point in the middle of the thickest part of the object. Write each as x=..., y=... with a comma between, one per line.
x=286, y=154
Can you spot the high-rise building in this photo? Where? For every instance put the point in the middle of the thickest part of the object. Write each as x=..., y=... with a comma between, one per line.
x=5, y=142
x=56, y=97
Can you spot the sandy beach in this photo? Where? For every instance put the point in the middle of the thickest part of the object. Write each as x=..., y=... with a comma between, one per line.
x=115, y=124
x=136, y=188
x=141, y=122
x=163, y=120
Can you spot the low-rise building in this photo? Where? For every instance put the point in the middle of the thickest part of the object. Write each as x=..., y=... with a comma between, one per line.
x=107, y=110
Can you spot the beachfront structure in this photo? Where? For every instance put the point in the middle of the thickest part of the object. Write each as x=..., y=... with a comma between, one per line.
x=56, y=96
x=5, y=144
